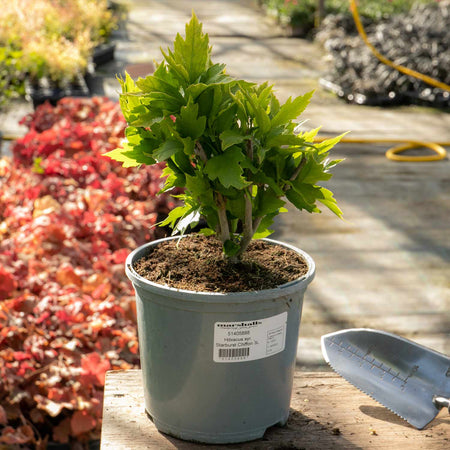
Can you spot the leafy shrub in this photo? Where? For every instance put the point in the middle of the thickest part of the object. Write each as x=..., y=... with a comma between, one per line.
x=230, y=143
x=68, y=218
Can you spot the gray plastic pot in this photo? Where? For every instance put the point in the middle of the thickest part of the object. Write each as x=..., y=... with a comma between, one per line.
x=217, y=368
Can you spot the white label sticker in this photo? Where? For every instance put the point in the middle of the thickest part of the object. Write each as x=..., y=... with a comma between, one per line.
x=249, y=340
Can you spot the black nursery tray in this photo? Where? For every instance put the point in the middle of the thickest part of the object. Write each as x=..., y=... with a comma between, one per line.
x=103, y=53
x=424, y=97
x=44, y=89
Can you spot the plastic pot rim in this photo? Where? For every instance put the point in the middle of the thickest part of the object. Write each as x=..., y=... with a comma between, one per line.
x=217, y=297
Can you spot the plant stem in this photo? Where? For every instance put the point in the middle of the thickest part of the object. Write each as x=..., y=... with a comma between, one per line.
x=256, y=223
x=223, y=221
x=250, y=149
x=200, y=152
x=296, y=172
x=248, y=229
x=298, y=169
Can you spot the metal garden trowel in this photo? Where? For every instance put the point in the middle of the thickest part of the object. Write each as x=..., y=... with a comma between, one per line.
x=411, y=380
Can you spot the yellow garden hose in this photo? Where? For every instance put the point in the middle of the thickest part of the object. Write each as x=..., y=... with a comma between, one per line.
x=393, y=153
x=400, y=68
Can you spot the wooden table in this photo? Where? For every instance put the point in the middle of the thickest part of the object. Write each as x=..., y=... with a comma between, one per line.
x=326, y=413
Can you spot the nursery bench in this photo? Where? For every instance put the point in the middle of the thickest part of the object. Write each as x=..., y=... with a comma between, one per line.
x=326, y=412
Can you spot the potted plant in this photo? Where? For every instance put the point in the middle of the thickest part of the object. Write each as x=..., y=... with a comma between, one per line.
x=218, y=365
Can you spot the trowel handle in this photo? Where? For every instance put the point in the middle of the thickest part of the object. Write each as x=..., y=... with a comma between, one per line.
x=442, y=402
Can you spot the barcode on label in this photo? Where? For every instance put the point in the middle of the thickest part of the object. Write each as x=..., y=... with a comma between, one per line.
x=233, y=352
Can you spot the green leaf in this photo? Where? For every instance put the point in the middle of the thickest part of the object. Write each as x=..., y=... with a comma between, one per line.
x=263, y=229
x=136, y=149
x=313, y=172
x=195, y=90
x=230, y=248
x=183, y=162
x=236, y=206
x=231, y=137
x=265, y=93
x=125, y=157
x=268, y=202
x=190, y=219
x=309, y=136
x=160, y=81
x=274, y=106
x=216, y=75
x=189, y=124
x=175, y=68
x=128, y=85
x=328, y=143
x=142, y=115
x=309, y=192
x=128, y=102
x=330, y=164
x=174, y=178
x=207, y=232
x=285, y=139
x=225, y=118
x=200, y=189
x=264, y=179
x=258, y=108
x=300, y=202
x=175, y=215
x=262, y=234
x=226, y=168
x=168, y=149
x=330, y=202
x=192, y=52
x=291, y=109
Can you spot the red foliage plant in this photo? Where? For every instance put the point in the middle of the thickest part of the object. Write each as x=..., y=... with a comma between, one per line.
x=68, y=218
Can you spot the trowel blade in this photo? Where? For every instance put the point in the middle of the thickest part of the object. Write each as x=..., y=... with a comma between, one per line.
x=400, y=374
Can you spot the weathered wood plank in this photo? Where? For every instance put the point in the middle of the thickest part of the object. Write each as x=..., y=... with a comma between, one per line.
x=326, y=412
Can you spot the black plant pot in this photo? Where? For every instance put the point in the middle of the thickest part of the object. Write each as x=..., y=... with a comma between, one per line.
x=44, y=89
x=103, y=53
x=91, y=445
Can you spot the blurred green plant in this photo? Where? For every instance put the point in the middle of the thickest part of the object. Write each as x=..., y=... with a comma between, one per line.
x=302, y=12
x=55, y=37
x=11, y=74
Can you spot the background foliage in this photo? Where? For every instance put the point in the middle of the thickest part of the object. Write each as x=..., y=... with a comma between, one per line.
x=52, y=38
x=302, y=12
x=11, y=74
x=68, y=219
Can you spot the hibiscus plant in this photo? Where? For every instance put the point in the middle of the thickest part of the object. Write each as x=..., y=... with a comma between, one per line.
x=229, y=143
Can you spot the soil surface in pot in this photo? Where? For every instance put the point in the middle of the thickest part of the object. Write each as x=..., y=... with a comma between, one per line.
x=196, y=263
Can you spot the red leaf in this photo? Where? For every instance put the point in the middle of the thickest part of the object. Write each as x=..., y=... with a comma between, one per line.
x=3, y=418
x=43, y=317
x=82, y=422
x=66, y=276
x=7, y=284
x=94, y=369
x=61, y=432
x=22, y=435
x=120, y=256
x=101, y=291
x=21, y=356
